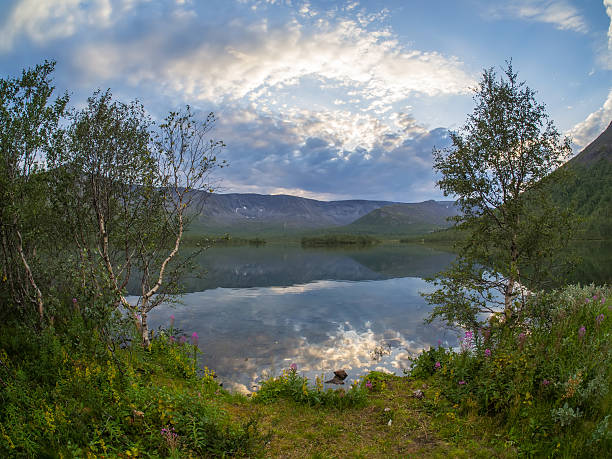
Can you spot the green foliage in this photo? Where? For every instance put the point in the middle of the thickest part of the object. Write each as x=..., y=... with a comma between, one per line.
x=71, y=391
x=547, y=380
x=338, y=240
x=496, y=169
x=290, y=385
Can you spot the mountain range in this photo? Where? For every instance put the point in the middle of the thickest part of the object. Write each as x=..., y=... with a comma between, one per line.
x=256, y=214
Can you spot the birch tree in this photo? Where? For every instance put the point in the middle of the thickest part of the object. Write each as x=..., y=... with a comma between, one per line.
x=498, y=168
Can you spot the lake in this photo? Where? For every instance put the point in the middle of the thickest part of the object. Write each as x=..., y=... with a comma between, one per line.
x=260, y=309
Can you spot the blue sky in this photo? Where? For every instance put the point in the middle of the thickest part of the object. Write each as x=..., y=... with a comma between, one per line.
x=322, y=99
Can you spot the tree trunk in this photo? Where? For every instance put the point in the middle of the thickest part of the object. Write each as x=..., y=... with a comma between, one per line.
x=144, y=328
x=28, y=270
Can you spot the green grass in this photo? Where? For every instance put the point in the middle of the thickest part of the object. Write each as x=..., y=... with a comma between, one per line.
x=339, y=240
x=540, y=387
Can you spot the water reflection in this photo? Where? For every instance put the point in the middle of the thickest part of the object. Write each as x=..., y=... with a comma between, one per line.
x=260, y=309
x=244, y=267
x=322, y=326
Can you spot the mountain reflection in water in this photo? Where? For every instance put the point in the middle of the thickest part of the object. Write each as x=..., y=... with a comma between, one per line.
x=260, y=309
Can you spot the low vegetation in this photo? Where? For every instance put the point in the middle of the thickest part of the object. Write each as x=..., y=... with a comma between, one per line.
x=539, y=389
x=338, y=240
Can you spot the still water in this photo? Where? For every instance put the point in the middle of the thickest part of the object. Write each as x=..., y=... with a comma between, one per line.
x=260, y=309
x=257, y=310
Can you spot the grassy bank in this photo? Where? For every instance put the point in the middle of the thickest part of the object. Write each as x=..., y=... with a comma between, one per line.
x=339, y=240
x=540, y=388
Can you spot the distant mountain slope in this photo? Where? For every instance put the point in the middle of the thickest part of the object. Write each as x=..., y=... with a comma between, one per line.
x=406, y=219
x=589, y=188
x=598, y=149
x=255, y=213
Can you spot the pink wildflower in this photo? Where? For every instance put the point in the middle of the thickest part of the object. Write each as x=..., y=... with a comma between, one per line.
x=581, y=332
x=462, y=382
x=545, y=382
x=437, y=365
x=488, y=352
x=600, y=318
x=293, y=367
x=368, y=384
x=194, y=338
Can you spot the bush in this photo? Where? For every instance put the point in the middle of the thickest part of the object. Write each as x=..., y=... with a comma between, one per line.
x=81, y=392
x=547, y=378
x=290, y=385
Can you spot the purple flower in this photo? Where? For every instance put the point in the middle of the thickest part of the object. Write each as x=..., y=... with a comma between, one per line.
x=182, y=339
x=368, y=384
x=488, y=352
x=172, y=321
x=545, y=382
x=581, y=332
x=600, y=318
x=462, y=382
x=194, y=338
x=172, y=339
x=439, y=343
x=293, y=367
x=437, y=365
x=74, y=301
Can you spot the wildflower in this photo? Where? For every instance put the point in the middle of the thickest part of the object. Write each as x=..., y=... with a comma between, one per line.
x=488, y=352
x=439, y=343
x=172, y=321
x=172, y=339
x=462, y=382
x=74, y=301
x=293, y=367
x=437, y=365
x=194, y=338
x=545, y=382
x=581, y=332
x=182, y=339
x=599, y=319
x=466, y=342
x=368, y=384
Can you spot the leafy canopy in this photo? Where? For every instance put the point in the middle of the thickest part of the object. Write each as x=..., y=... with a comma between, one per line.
x=498, y=168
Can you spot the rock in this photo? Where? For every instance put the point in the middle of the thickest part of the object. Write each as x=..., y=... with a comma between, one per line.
x=339, y=377
x=418, y=393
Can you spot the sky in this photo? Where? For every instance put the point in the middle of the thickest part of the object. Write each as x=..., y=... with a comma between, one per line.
x=322, y=99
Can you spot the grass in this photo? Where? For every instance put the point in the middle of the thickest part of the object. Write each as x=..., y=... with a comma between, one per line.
x=540, y=387
x=338, y=240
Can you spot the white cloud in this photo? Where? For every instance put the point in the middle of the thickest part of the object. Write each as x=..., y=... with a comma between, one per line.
x=44, y=20
x=586, y=131
x=559, y=13
x=608, y=5
x=249, y=56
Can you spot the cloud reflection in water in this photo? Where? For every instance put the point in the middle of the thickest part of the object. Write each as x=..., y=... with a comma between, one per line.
x=247, y=334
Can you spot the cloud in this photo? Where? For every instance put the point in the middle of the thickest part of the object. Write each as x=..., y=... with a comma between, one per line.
x=329, y=155
x=608, y=5
x=248, y=58
x=586, y=131
x=559, y=13
x=44, y=20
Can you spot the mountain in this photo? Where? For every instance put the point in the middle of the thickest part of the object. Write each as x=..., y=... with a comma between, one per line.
x=255, y=213
x=588, y=188
x=406, y=219
x=599, y=149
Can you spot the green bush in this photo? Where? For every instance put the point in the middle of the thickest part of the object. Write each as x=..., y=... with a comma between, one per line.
x=547, y=378
x=80, y=393
x=290, y=385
